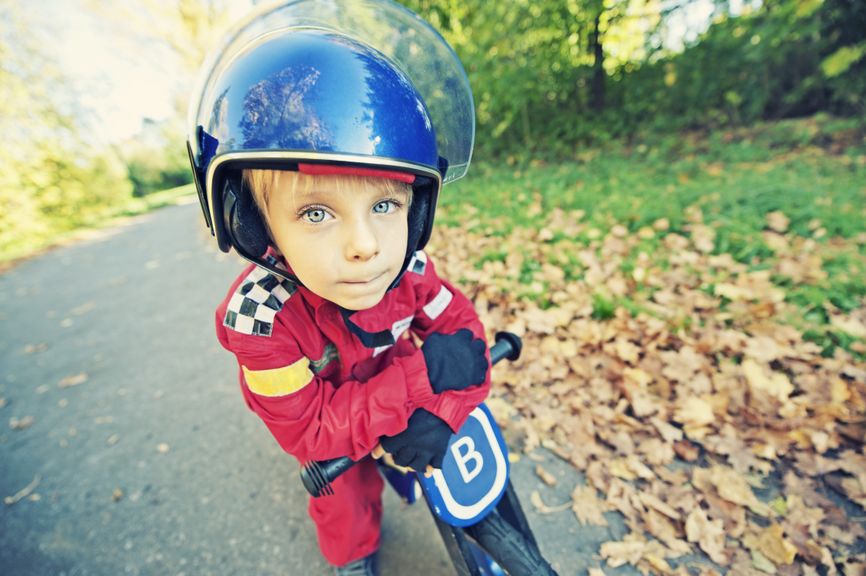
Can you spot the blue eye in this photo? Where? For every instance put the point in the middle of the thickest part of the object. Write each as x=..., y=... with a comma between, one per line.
x=315, y=215
x=384, y=207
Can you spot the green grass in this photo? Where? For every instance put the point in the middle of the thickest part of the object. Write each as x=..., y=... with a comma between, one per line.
x=636, y=190
x=814, y=171
x=734, y=184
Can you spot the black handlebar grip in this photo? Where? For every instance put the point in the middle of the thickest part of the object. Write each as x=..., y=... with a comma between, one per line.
x=318, y=475
x=508, y=346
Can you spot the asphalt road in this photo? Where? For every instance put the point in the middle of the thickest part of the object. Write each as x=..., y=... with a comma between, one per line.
x=142, y=457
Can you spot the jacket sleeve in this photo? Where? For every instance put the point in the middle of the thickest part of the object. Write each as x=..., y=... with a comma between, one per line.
x=442, y=308
x=309, y=416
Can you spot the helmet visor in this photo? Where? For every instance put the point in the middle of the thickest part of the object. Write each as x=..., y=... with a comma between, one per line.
x=412, y=44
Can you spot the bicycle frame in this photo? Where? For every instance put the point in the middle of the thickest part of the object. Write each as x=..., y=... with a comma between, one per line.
x=467, y=557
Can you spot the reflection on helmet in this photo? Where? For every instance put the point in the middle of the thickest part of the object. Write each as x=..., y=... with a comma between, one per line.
x=318, y=92
x=275, y=116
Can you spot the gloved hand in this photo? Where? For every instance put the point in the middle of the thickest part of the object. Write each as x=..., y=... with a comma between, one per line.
x=423, y=442
x=454, y=361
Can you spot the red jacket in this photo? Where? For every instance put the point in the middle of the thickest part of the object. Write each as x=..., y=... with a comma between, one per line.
x=323, y=394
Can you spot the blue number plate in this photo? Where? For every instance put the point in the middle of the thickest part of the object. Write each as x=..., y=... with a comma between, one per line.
x=474, y=474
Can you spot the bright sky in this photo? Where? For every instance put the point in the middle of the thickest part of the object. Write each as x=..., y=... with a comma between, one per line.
x=693, y=18
x=128, y=80
x=684, y=25
x=122, y=80
x=118, y=84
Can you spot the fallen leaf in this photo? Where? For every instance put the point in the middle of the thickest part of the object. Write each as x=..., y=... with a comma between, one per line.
x=709, y=535
x=21, y=423
x=661, y=224
x=763, y=380
x=704, y=237
x=849, y=324
x=729, y=485
x=83, y=309
x=778, y=222
x=23, y=493
x=668, y=432
x=686, y=450
x=74, y=380
x=543, y=508
x=545, y=476
x=654, y=502
x=694, y=412
x=621, y=553
x=772, y=544
x=683, y=364
x=35, y=348
x=620, y=468
x=762, y=563
x=588, y=508
x=665, y=530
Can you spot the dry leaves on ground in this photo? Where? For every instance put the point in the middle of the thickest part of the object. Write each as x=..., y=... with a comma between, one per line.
x=707, y=368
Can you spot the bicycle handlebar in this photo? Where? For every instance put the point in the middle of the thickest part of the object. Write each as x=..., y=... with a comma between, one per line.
x=318, y=475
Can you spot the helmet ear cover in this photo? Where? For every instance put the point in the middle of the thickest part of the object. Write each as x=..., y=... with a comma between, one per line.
x=242, y=220
x=421, y=214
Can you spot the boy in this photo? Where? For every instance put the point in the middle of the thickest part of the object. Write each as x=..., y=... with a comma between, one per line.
x=333, y=212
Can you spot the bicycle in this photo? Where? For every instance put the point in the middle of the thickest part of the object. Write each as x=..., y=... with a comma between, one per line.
x=473, y=502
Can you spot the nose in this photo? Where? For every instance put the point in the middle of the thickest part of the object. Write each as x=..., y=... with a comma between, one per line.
x=361, y=244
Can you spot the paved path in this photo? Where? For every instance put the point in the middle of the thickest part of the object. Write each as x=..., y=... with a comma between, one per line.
x=147, y=460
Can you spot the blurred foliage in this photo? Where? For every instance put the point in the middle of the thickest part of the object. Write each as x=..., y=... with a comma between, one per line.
x=52, y=179
x=156, y=158
x=538, y=85
x=551, y=78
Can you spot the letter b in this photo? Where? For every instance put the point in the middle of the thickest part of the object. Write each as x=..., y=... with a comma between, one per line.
x=471, y=454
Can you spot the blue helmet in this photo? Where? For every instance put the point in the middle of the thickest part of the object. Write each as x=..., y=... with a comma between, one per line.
x=294, y=85
x=307, y=96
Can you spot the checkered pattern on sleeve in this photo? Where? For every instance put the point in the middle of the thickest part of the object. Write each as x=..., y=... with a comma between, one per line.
x=418, y=263
x=257, y=300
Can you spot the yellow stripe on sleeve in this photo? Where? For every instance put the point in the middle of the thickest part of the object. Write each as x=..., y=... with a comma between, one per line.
x=279, y=381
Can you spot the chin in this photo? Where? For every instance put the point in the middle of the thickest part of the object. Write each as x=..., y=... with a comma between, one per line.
x=358, y=304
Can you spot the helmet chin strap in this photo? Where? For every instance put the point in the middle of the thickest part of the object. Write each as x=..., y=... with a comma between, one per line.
x=272, y=265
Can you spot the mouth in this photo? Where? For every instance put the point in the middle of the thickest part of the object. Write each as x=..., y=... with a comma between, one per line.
x=362, y=282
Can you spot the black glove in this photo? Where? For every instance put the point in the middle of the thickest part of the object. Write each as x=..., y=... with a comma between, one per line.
x=423, y=442
x=454, y=361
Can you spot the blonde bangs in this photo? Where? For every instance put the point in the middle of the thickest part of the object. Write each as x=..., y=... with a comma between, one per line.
x=262, y=183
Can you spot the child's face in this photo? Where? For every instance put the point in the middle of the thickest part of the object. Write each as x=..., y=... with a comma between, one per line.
x=345, y=244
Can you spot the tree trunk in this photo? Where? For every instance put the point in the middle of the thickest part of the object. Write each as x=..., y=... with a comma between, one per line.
x=598, y=76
